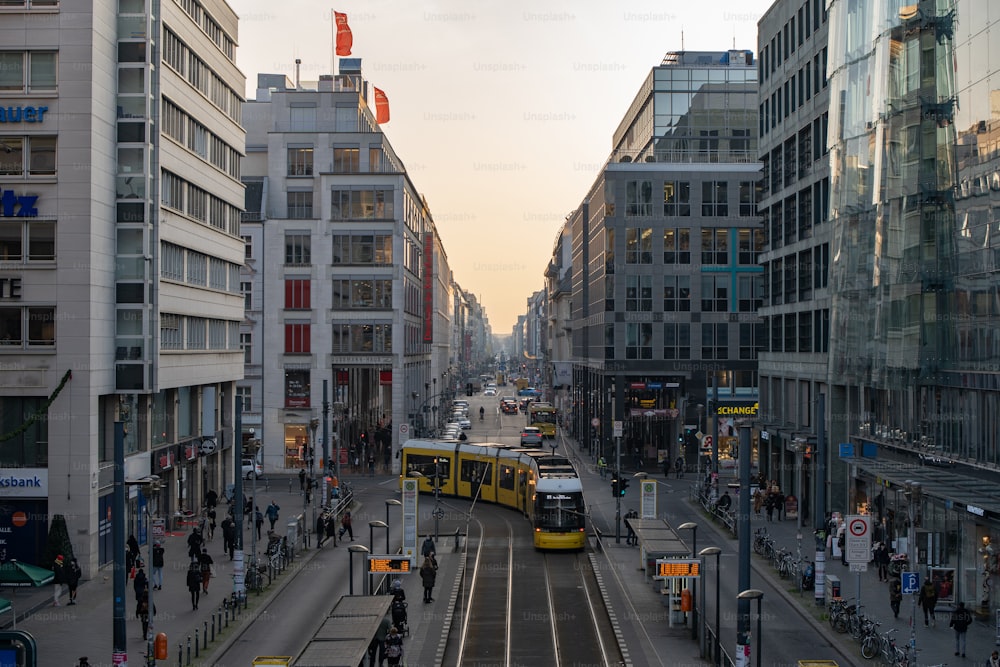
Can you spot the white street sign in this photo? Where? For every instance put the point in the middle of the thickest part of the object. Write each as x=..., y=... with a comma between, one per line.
x=616, y=429
x=858, y=539
x=859, y=567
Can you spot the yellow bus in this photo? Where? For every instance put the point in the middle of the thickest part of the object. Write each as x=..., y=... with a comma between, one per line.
x=543, y=416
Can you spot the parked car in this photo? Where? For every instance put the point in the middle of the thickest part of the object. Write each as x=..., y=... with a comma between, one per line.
x=251, y=469
x=531, y=436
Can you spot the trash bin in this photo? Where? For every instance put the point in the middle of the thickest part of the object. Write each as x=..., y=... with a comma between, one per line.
x=832, y=587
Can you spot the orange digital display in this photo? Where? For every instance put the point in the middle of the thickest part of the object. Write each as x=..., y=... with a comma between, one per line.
x=389, y=565
x=678, y=568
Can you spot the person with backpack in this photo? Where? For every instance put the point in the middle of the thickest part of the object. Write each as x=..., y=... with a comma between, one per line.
x=73, y=573
x=156, y=571
x=895, y=594
x=928, y=600
x=272, y=514
x=394, y=647
x=142, y=612
x=961, y=619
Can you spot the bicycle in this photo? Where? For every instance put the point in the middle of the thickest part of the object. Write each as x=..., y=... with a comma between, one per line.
x=840, y=614
x=870, y=639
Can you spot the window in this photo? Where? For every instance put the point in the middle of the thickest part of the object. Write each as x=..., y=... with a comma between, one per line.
x=27, y=71
x=638, y=245
x=715, y=199
x=676, y=294
x=218, y=273
x=715, y=293
x=361, y=338
x=639, y=340
x=171, y=191
x=750, y=243
x=297, y=338
x=639, y=293
x=714, y=340
x=362, y=204
x=170, y=332
x=805, y=332
x=609, y=341
x=609, y=250
x=748, y=292
x=300, y=161
x=172, y=262
x=677, y=198
x=297, y=294
x=217, y=334
x=752, y=338
x=300, y=205
x=197, y=268
x=362, y=293
x=39, y=237
x=715, y=246
x=677, y=246
x=821, y=265
x=246, y=344
x=639, y=198
x=347, y=160
x=609, y=293
x=302, y=118
x=676, y=340
x=297, y=389
x=298, y=249
x=195, y=329
x=373, y=250
x=246, y=395
x=246, y=289
x=748, y=198
x=247, y=247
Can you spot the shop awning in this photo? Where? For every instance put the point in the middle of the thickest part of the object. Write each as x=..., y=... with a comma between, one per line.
x=15, y=573
x=976, y=496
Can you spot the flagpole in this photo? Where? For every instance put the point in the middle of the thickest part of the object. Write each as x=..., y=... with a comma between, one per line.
x=333, y=42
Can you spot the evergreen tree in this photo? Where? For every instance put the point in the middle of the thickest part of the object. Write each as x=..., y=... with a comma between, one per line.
x=57, y=543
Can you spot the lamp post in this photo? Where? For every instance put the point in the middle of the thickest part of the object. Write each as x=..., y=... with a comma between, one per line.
x=913, y=492
x=372, y=525
x=715, y=551
x=695, y=628
x=150, y=487
x=389, y=503
x=754, y=594
x=354, y=549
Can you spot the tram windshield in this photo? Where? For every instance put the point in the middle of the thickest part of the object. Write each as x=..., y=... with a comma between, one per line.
x=559, y=511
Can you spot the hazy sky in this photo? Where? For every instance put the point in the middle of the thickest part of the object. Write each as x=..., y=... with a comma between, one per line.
x=502, y=112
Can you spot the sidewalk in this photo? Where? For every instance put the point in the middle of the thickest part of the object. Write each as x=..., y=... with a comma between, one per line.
x=66, y=633
x=935, y=644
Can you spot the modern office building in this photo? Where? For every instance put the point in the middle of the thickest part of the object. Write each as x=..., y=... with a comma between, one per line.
x=793, y=106
x=914, y=279
x=347, y=282
x=665, y=273
x=121, y=255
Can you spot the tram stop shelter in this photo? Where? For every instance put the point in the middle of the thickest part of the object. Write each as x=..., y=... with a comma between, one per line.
x=346, y=633
x=656, y=540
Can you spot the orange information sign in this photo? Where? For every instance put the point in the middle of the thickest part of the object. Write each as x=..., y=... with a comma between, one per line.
x=677, y=567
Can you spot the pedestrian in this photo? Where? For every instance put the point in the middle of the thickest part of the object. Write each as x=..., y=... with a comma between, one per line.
x=58, y=578
x=779, y=502
x=272, y=513
x=394, y=647
x=961, y=619
x=142, y=612
x=211, y=499
x=882, y=561
x=320, y=530
x=427, y=549
x=769, y=506
x=345, y=526
x=194, y=542
x=631, y=538
x=156, y=571
x=841, y=543
x=928, y=600
x=378, y=642
x=994, y=660
x=679, y=466
x=229, y=536
x=132, y=555
x=428, y=575
x=141, y=583
x=331, y=529
x=211, y=523
x=194, y=584
x=895, y=595
x=371, y=465
x=72, y=573
x=302, y=481
x=758, y=500
x=206, y=564
x=602, y=467
x=258, y=520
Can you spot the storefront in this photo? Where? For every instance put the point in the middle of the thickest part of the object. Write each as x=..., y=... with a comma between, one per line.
x=24, y=521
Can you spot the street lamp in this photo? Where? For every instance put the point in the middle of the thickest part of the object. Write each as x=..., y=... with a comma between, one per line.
x=354, y=549
x=754, y=594
x=693, y=527
x=372, y=525
x=715, y=551
x=389, y=503
x=150, y=487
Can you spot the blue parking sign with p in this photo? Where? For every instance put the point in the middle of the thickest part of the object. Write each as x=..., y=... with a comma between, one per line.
x=911, y=582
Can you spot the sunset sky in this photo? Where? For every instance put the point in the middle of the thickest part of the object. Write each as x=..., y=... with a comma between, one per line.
x=502, y=112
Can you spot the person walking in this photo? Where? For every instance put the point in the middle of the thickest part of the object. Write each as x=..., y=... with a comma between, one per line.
x=194, y=584
x=994, y=660
x=302, y=481
x=377, y=645
x=882, y=561
x=428, y=575
x=345, y=526
x=58, y=578
x=212, y=515
x=602, y=467
x=141, y=583
x=331, y=529
x=895, y=595
x=258, y=520
x=371, y=465
x=961, y=619
x=427, y=549
x=631, y=538
x=194, y=542
x=132, y=555
x=272, y=513
x=142, y=612
x=769, y=502
x=779, y=503
x=928, y=600
x=156, y=571
x=679, y=466
x=320, y=530
x=229, y=536
x=205, y=564
x=394, y=647
x=72, y=573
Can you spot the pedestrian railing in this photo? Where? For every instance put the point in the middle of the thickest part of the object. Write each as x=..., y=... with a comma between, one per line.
x=725, y=517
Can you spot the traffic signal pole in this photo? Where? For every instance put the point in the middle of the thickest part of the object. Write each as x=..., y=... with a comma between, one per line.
x=618, y=496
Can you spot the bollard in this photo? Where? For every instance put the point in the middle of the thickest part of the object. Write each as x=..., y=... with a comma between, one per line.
x=204, y=637
x=196, y=644
x=267, y=483
x=289, y=484
x=227, y=617
x=189, y=651
x=458, y=540
x=180, y=654
x=213, y=627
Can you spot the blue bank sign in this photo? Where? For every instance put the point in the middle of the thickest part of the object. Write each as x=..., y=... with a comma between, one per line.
x=22, y=114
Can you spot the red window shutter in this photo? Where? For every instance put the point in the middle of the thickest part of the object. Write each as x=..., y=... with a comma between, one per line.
x=306, y=294
x=289, y=293
x=289, y=338
x=305, y=338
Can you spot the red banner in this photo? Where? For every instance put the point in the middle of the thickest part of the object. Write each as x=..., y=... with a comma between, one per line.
x=385, y=377
x=345, y=40
x=428, y=287
x=381, y=106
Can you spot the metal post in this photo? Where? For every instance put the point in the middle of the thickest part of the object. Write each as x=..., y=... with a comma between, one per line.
x=618, y=497
x=718, y=615
x=743, y=531
x=760, y=640
x=819, y=513
x=437, y=498
x=119, y=641
x=239, y=569
x=324, y=498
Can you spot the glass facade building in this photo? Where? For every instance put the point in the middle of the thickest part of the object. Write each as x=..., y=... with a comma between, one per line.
x=915, y=269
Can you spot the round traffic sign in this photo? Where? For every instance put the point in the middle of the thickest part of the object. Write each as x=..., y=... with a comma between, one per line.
x=858, y=527
x=595, y=422
x=706, y=441
x=404, y=429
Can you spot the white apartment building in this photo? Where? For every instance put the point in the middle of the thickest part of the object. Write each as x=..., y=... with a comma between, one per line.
x=120, y=256
x=347, y=285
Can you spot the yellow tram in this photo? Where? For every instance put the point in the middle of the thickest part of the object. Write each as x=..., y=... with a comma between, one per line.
x=544, y=487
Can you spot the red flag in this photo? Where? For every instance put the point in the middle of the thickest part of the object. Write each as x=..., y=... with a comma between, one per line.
x=381, y=106
x=345, y=40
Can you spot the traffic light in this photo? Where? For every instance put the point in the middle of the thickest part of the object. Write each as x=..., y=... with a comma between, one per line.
x=614, y=488
x=622, y=486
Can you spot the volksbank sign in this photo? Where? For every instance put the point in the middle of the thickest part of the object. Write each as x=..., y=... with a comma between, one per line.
x=24, y=482
x=22, y=114
x=737, y=410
